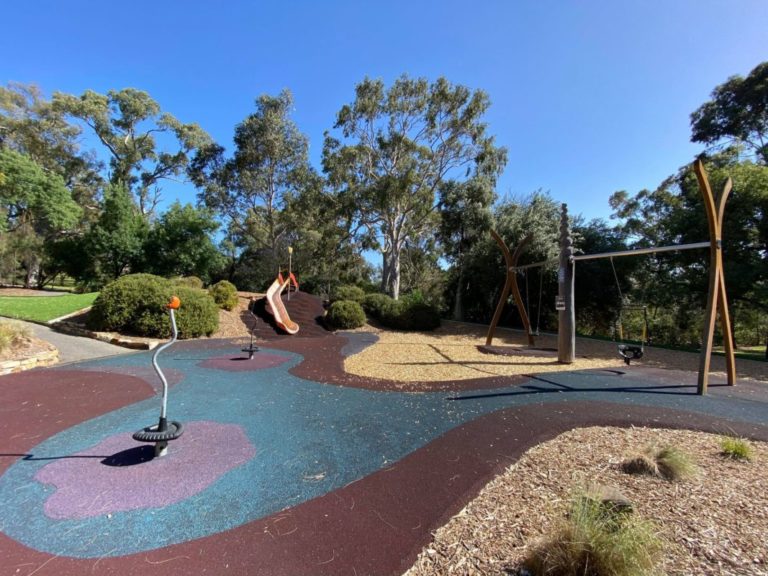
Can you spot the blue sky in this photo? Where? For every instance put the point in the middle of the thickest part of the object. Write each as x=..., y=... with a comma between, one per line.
x=589, y=96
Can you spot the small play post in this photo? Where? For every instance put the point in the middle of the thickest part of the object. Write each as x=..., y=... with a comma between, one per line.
x=566, y=318
x=290, y=258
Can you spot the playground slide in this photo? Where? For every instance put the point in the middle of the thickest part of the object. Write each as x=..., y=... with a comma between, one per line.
x=282, y=319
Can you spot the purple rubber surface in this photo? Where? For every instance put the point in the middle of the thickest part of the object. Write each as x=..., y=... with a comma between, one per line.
x=115, y=488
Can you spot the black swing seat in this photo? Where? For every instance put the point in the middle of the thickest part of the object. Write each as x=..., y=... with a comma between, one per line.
x=629, y=352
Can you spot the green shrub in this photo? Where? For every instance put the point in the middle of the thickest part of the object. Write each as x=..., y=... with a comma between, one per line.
x=349, y=292
x=736, y=448
x=224, y=294
x=188, y=281
x=132, y=301
x=596, y=541
x=12, y=333
x=344, y=314
x=136, y=304
x=198, y=314
x=409, y=315
x=374, y=304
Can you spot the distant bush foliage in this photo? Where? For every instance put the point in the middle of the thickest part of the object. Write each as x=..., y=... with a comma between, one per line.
x=189, y=281
x=345, y=314
x=349, y=292
x=408, y=314
x=224, y=293
x=136, y=304
x=374, y=304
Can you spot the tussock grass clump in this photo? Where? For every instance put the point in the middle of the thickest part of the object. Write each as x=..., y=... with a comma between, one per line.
x=736, y=448
x=668, y=462
x=12, y=333
x=674, y=464
x=596, y=541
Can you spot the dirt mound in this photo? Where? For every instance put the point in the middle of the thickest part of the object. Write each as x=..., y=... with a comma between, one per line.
x=304, y=309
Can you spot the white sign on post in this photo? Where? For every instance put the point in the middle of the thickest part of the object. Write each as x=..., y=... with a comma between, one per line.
x=559, y=303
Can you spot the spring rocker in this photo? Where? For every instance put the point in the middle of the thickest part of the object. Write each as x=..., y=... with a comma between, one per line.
x=164, y=431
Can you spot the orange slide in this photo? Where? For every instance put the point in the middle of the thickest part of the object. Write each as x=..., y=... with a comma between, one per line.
x=282, y=319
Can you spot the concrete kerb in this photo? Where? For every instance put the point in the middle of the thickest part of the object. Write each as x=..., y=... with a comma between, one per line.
x=73, y=329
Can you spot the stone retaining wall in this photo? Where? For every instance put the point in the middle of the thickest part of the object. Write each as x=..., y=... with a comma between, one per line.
x=36, y=360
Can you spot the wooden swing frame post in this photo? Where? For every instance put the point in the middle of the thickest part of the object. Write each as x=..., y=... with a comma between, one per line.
x=510, y=284
x=716, y=298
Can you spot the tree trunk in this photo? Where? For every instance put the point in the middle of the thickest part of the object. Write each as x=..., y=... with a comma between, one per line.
x=390, y=277
x=458, y=306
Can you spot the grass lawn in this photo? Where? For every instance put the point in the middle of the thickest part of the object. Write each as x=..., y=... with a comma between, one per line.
x=44, y=308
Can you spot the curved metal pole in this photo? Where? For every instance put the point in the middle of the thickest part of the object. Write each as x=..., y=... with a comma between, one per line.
x=510, y=284
x=157, y=368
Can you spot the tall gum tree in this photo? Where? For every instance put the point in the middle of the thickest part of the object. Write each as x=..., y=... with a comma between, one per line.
x=253, y=188
x=127, y=122
x=30, y=125
x=396, y=147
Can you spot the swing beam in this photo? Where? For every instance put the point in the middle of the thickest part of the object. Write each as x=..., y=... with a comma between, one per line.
x=716, y=299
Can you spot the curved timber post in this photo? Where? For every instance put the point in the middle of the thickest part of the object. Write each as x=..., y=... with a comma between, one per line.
x=510, y=284
x=716, y=299
x=566, y=316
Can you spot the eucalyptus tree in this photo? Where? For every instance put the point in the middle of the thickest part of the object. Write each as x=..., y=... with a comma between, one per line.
x=36, y=207
x=253, y=188
x=128, y=123
x=465, y=219
x=396, y=146
x=674, y=213
x=737, y=113
x=30, y=124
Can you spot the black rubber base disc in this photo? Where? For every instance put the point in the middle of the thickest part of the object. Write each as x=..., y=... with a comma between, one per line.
x=152, y=434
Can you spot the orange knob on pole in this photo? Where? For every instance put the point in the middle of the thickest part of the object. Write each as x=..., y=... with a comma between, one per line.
x=174, y=303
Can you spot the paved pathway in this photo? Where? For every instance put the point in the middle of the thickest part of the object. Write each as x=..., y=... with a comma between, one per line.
x=75, y=348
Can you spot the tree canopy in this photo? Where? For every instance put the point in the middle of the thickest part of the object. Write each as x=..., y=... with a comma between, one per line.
x=127, y=122
x=252, y=190
x=397, y=145
x=737, y=112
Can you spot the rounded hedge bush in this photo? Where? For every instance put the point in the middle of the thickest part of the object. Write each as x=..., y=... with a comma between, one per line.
x=349, y=292
x=224, y=293
x=345, y=314
x=136, y=304
x=410, y=315
x=198, y=314
x=129, y=302
x=422, y=316
x=374, y=304
x=189, y=281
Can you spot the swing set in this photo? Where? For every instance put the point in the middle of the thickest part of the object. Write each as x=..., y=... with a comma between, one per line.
x=628, y=351
x=716, y=299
